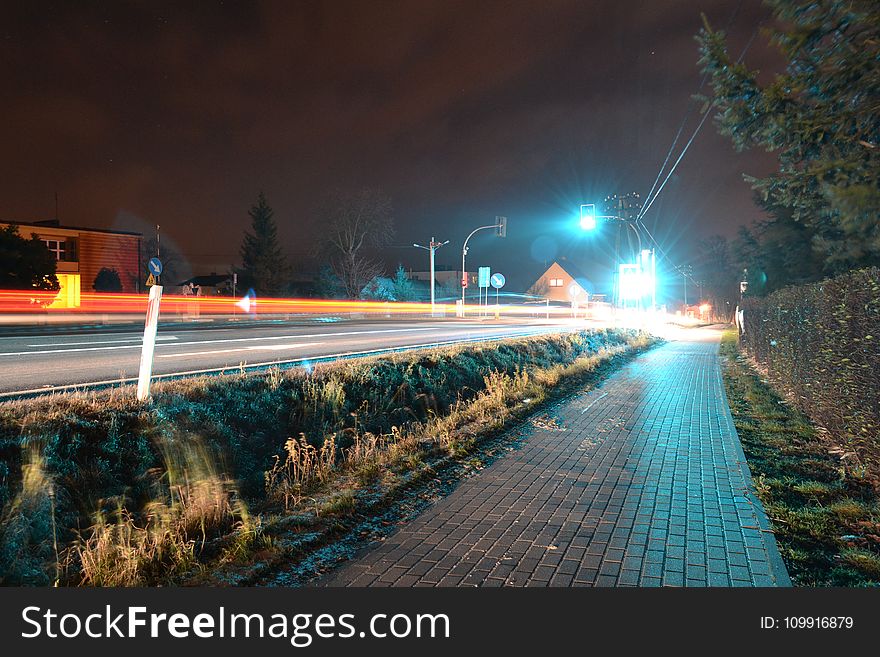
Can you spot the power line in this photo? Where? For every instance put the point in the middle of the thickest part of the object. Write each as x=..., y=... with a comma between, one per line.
x=687, y=116
x=648, y=205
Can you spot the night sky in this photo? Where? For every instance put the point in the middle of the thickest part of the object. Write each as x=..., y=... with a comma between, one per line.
x=137, y=114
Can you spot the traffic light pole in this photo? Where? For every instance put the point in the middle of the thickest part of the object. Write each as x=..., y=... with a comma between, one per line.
x=501, y=226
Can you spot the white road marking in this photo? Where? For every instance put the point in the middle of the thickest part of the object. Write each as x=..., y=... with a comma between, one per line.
x=221, y=370
x=76, y=344
x=268, y=347
x=183, y=344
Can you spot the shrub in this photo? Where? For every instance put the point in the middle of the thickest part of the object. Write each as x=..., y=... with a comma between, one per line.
x=821, y=344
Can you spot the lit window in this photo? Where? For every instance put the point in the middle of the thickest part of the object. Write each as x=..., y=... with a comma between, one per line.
x=555, y=282
x=58, y=248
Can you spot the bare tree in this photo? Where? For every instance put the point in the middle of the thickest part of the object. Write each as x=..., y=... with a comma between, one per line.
x=351, y=222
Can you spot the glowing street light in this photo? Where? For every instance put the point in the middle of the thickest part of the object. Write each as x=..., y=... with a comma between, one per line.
x=588, y=216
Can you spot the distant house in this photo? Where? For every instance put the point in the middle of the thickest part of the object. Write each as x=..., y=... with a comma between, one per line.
x=563, y=281
x=212, y=285
x=80, y=253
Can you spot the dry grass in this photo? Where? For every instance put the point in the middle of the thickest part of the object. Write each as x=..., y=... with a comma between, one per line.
x=167, y=500
x=28, y=532
x=164, y=539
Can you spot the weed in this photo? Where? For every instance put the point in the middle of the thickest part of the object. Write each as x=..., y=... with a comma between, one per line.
x=340, y=504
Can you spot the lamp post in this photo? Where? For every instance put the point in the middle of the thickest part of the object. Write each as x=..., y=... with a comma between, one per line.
x=501, y=226
x=432, y=247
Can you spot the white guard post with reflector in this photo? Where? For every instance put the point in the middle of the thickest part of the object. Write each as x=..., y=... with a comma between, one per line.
x=152, y=323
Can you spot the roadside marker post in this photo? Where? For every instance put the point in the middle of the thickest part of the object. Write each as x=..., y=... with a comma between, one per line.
x=149, y=346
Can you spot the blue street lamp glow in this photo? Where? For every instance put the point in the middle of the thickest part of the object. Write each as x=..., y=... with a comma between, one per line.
x=588, y=216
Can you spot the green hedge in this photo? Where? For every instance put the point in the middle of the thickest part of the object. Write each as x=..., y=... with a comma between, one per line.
x=821, y=343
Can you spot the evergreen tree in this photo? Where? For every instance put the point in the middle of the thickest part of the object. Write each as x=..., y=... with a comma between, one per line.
x=328, y=285
x=777, y=251
x=264, y=267
x=820, y=117
x=402, y=286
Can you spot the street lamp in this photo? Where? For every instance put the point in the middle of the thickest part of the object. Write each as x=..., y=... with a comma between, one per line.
x=432, y=246
x=500, y=227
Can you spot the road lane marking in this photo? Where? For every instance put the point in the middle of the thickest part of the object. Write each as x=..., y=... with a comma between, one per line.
x=75, y=344
x=183, y=344
x=268, y=347
x=326, y=357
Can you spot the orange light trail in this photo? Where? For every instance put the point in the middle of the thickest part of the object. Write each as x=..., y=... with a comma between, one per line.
x=36, y=302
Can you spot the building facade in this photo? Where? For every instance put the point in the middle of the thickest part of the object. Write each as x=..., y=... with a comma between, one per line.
x=562, y=282
x=80, y=253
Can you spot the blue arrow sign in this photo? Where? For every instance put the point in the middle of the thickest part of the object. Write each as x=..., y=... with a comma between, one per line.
x=155, y=266
x=497, y=280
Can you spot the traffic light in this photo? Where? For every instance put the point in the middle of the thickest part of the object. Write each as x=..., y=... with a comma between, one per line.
x=588, y=216
x=501, y=226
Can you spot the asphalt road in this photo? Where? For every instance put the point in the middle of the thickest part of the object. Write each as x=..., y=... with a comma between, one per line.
x=53, y=360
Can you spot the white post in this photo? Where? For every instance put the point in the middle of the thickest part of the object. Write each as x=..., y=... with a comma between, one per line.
x=149, y=346
x=433, y=248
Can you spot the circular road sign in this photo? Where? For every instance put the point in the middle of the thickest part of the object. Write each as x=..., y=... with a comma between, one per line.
x=497, y=280
x=155, y=266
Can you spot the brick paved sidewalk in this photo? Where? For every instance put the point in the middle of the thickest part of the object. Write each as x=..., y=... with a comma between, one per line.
x=640, y=482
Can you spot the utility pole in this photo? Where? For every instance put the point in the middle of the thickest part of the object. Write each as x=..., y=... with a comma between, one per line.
x=432, y=247
x=158, y=253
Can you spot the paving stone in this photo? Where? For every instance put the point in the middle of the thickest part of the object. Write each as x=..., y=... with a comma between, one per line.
x=647, y=485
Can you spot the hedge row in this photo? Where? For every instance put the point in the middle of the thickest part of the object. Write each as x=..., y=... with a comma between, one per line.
x=821, y=343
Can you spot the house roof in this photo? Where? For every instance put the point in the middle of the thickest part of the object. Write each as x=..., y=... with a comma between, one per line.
x=54, y=223
x=212, y=280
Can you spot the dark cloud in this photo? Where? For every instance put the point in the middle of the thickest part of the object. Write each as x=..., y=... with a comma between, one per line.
x=460, y=110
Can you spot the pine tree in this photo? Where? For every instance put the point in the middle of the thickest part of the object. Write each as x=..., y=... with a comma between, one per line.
x=820, y=117
x=403, y=286
x=264, y=267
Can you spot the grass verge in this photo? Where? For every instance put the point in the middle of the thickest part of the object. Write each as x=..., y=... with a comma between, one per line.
x=222, y=479
x=820, y=498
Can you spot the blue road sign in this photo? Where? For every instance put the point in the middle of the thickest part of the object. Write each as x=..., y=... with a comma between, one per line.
x=155, y=266
x=497, y=280
x=483, y=276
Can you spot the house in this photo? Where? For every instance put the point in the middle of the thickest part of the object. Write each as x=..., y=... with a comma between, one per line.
x=82, y=252
x=564, y=282
x=212, y=285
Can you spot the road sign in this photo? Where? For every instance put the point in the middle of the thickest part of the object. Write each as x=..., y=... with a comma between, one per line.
x=483, y=277
x=246, y=303
x=155, y=266
x=575, y=290
x=151, y=281
x=497, y=280
x=464, y=281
